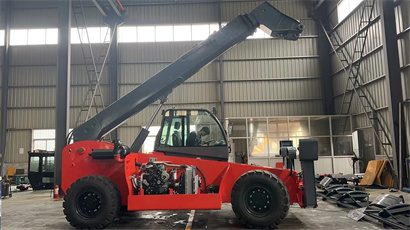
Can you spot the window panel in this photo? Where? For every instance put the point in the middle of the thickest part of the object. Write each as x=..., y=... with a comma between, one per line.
x=182, y=33
x=145, y=34
x=75, y=39
x=238, y=127
x=44, y=134
x=34, y=164
x=36, y=37
x=257, y=127
x=164, y=33
x=258, y=147
x=105, y=35
x=344, y=7
x=1, y=37
x=51, y=36
x=18, y=37
x=298, y=127
x=40, y=145
x=319, y=126
x=127, y=34
x=93, y=34
x=51, y=145
x=342, y=146
x=48, y=164
x=200, y=32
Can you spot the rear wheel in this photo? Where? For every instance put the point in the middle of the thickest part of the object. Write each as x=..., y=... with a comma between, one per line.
x=92, y=202
x=260, y=199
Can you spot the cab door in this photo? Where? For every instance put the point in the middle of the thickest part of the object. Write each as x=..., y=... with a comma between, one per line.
x=193, y=134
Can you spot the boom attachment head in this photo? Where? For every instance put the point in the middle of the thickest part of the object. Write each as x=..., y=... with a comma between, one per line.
x=275, y=23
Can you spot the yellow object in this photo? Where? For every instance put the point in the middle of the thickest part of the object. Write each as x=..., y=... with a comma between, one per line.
x=384, y=176
x=10, y=172
x=372, y=170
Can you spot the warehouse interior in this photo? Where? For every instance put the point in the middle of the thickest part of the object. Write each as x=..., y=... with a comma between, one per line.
x=344, y=82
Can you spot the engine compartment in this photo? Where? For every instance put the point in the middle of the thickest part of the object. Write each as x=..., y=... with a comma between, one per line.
x=157, y=177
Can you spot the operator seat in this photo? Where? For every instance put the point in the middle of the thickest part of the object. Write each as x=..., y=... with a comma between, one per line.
x=176, y=136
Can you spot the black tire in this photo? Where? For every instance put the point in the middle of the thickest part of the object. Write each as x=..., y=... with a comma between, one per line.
x=92, y=202
x=260, y=199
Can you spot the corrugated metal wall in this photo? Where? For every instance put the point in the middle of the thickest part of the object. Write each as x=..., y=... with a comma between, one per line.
x=403, y=30
x=372, y=66
x=371, y=69
x=266, y=77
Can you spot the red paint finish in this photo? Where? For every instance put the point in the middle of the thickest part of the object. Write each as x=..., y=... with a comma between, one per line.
x=77, y=163
x=174, y=202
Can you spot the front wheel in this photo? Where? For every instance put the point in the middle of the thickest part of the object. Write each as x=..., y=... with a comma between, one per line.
x=260, y=199
x=92, y=202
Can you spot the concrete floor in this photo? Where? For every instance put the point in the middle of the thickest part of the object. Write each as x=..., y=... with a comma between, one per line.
x=37, y=210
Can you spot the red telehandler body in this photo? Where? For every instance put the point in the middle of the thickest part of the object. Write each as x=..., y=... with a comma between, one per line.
x=185, y=171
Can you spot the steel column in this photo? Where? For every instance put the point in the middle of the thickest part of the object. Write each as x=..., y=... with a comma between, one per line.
x=113, y=70
x=5, y=82
x=325, y=65
x=63, y=85
x=393, y=78
x=221, y=71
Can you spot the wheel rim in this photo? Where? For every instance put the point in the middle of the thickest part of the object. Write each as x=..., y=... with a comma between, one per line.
x=89, y=203
x=258, y=200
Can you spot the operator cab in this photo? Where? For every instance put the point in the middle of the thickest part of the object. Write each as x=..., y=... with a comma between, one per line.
x=194, y=133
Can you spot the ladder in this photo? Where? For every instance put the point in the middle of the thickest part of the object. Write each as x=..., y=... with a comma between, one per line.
x=93, y=102
x=351, y=62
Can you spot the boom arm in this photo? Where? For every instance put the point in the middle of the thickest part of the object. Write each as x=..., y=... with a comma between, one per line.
x=161, y=84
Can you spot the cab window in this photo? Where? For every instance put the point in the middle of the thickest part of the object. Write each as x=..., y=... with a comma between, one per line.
x=191, y=129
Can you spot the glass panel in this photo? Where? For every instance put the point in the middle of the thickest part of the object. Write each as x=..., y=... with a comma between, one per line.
x=258, y=147
x=164, y=33
x=319, y=126
x=36, y=36
x=105, y=35
x=182, y=33
x=75, y=39
x=1, y=37
x=127, y=34
x=204, y=130
x=324, y=148
x=34, y=164
x=341, y=125
x=274, y=146
x=298, y=127
x=278, y=127
x=175, y=138
x=295, y=141
x=200, y=32
x=240, y=151
x=239, y=127
x=164, y=135
x=51, y=145
x=48, y=164
x=94, y=34
x=18, y=37
x=40, y=145
x=146, y=34
x=47, y=180
x=44, y=134
x=257, y=127
x=51, y=36
x=342, y=146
